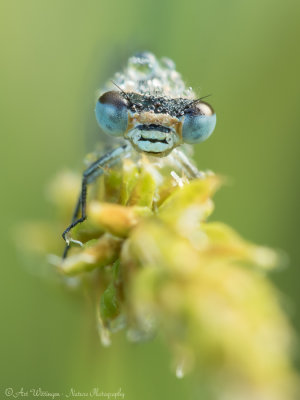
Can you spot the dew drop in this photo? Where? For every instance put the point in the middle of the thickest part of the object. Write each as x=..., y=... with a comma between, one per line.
x=179, y=371
x=117, y=324
x=73, y=282
x=138, y=335
x=167, y=63
x=143, y=64
x=104, y=335
x=103, y=332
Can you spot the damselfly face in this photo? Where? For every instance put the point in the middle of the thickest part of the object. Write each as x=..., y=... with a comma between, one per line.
x=153, y=109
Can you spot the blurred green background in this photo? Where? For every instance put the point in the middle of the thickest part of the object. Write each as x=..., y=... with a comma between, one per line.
x=54, y=55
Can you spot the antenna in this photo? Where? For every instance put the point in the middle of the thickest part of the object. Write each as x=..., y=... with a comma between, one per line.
x=201, y=98
x=122, y=91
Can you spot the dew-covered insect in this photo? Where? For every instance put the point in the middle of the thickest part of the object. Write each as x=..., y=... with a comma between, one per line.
x=150, y=107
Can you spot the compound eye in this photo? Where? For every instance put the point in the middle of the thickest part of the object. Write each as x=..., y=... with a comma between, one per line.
x=112, y=113
x=199, y=123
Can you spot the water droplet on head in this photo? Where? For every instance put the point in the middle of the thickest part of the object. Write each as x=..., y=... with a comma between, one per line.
x=156, y=84
x=147, y=55
x=167, y=63
x=189, y=93
x=143, y=63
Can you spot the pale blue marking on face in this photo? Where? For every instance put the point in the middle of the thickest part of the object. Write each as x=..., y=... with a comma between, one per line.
x=151, y=147
x=197, y=128
x=152, y=141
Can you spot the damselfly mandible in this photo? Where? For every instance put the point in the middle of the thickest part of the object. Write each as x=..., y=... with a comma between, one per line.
x=150, y=107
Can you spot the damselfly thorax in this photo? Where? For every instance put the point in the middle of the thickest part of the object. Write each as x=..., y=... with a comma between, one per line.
x=149, y=106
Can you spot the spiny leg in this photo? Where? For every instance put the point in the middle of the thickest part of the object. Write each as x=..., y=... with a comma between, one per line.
x=89, y=175
x=188, y=167
x=74, y=217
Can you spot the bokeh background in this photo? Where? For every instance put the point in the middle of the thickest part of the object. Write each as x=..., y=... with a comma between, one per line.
x=54, y=55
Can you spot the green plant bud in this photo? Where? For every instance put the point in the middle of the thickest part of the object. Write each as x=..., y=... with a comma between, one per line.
x=116, y=219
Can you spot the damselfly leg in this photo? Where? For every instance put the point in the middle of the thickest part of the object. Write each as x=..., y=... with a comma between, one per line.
x=89, y=175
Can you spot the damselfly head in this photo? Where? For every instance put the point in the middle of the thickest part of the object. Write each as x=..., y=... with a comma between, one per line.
x=154, y=123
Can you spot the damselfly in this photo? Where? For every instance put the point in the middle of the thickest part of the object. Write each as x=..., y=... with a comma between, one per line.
x=149, y=106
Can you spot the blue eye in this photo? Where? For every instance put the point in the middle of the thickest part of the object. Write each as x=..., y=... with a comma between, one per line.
x=112, y=113
x=199, y=123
